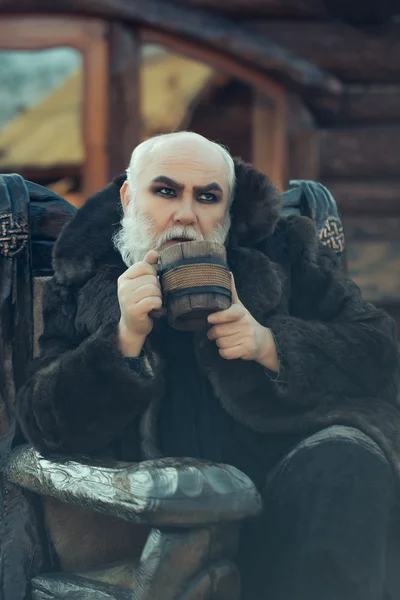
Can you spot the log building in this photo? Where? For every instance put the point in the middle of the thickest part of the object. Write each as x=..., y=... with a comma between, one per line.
x=304, y=89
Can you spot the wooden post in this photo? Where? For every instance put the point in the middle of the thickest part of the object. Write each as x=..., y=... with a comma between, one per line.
x=269, y=135
x=124, y=96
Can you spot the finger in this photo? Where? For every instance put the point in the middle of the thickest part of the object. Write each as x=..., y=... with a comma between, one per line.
x=138, y=270
x=225, y=330
x=146, y=305
x=151, y=257
x=232, y=353
x=235, y=297
x=230, y=341
x=128, y=288
x=231, y=314
x=146, y=291
x=131, y=285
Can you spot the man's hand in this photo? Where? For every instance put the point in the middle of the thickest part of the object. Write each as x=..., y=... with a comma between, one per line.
x=139, y=292
x=238, y=335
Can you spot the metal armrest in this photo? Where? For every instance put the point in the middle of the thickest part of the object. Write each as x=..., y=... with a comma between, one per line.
x=174, y=492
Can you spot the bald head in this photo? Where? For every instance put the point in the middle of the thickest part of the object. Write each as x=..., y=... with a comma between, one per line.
x=179, y=188
x=194, y=150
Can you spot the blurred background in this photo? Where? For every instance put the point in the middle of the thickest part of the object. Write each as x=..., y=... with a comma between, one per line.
x=304, y=89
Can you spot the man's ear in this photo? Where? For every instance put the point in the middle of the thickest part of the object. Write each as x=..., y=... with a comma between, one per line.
x=124, y=195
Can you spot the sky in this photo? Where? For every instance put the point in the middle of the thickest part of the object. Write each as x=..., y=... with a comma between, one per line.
x=26, y=77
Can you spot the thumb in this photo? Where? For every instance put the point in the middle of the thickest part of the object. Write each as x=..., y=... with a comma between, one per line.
x=151, y=257
x=235, y=297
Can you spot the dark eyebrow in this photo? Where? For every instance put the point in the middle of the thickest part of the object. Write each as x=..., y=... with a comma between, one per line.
x=168, y=181
x=214, y=186
x=199, y=189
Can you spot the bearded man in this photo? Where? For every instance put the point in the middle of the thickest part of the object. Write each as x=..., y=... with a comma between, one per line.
x=295, y=384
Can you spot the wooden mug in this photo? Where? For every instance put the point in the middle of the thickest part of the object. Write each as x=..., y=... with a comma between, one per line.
x=195, y=282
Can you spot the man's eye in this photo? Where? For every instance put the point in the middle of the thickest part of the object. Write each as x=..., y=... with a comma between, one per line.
x=165, y=191
x=208, y=197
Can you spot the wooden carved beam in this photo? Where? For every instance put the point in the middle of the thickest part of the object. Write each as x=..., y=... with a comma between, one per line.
x=198, y=25
x=353, y=55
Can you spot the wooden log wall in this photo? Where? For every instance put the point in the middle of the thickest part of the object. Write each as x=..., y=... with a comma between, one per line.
x=355, y=144
x=356, y=12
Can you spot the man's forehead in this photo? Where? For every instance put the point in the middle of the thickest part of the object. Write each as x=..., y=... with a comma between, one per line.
x=195, y=168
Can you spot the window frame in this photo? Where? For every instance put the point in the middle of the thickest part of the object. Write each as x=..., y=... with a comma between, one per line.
x=89, y=37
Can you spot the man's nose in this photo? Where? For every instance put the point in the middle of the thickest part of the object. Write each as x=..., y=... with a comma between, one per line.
x=185, y=214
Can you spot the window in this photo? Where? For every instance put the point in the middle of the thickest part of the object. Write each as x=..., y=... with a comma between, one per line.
x=81, y=93
x=40, y=117
x=53, y=103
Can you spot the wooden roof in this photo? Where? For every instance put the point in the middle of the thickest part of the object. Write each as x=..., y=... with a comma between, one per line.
x=50, y=133
x=169, y=86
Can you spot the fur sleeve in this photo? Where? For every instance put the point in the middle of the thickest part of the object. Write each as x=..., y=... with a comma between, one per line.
x=81, y=393
x=336, y=346
x=333, y=345
x=335, y=349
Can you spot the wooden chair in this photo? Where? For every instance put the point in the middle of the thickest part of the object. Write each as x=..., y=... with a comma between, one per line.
x=193, y=509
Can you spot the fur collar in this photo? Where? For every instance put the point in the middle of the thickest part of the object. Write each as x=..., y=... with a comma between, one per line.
x=85, y=242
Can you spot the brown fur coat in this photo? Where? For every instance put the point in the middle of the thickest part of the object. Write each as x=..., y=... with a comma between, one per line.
x=339, y=360
x=338, y=355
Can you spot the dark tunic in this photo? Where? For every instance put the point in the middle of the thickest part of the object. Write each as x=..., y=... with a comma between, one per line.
x=193, y=423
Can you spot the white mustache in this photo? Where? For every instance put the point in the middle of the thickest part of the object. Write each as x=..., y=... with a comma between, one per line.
x=136, y=235
x=178, y=232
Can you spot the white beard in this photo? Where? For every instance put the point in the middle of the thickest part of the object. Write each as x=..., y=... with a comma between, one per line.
x=136, y=236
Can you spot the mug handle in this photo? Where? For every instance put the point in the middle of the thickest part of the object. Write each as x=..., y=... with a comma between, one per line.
x=160, y=312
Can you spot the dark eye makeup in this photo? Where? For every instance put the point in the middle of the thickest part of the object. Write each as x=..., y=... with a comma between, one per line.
x=208, y=198
x=164, y=191
x=205, y=197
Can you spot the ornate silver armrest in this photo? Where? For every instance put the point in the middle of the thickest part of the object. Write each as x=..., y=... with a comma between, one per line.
x=166, y=492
